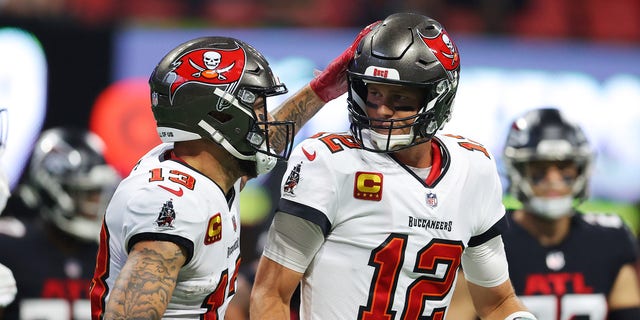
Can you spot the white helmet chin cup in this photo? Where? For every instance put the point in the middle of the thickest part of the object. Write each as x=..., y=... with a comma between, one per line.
x=82, y=228
x=551, y=208
x=395, y=141
x=264, y=163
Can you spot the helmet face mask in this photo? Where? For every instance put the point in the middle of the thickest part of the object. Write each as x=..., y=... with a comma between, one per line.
x=209, y=88
x=407, y=50
x=69, y=182
x=545, y=137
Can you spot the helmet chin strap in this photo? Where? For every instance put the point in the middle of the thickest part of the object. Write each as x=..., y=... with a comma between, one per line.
x=551, y=208
x=264, y=162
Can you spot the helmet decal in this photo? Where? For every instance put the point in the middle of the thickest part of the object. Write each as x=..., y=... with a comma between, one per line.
x=382, y=72
x=207, y=88
x=207, y=66
x=444, y=49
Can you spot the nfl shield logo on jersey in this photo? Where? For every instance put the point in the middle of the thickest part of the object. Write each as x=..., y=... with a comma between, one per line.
x=555, y=260
x=432, y=200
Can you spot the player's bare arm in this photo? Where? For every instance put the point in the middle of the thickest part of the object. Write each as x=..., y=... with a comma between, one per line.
x=271, y=295
x=326, y=86
x=495, y=303
x=626, y=290
x=145, y=285
x=461, y=307
x=298, y=108
x=291, y=244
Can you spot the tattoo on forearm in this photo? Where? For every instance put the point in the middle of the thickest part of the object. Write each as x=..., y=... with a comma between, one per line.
x=299, y=109
x=144, y=290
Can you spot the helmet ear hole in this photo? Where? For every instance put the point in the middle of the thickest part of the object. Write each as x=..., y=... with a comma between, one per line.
x=221, y=116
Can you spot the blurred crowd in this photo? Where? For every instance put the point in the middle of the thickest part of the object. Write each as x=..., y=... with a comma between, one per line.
x=610, y=20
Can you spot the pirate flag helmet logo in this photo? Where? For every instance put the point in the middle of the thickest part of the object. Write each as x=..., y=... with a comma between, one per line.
x=215, y=67
x=443, y=48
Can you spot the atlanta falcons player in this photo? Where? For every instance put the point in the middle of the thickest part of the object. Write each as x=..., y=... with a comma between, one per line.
x=563, y=265
x=376, y=222
x=170, y=240
x=49, y=238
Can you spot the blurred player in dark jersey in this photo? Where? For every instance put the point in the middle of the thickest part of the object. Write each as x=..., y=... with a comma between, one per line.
x=49, y=236
x=563, y=265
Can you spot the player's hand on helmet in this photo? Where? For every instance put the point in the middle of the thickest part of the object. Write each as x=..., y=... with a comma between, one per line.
x=332, y=82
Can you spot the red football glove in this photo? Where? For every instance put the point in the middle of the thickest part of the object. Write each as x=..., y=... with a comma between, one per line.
x=332, y=82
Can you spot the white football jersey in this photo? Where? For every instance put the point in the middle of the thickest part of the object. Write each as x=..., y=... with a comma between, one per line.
x=165, y=199
x=393, y=240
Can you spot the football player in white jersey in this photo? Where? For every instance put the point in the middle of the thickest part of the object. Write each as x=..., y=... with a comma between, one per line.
x=169, y=245
x=374, y=223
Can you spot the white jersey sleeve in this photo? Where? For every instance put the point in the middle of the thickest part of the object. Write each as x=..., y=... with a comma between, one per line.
x=318, y=180
x=486, y=264
x=490, y=214
x=293, y=241
x=145, y=207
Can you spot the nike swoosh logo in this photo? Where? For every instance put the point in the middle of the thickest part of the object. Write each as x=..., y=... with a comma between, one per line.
x=178, y=192
x=310, y=156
